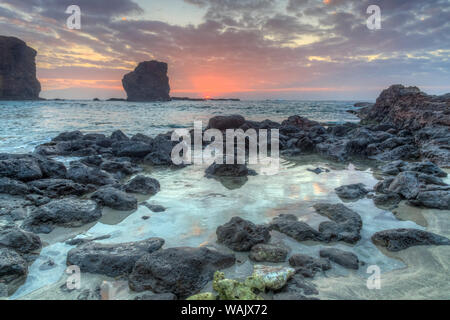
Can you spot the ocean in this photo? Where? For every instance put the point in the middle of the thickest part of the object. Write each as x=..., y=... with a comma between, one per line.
x=26, y=124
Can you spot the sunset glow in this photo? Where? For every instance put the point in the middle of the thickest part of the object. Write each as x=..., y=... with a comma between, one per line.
x=296, y=51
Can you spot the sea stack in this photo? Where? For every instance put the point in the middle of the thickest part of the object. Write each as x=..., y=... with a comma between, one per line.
x=17, y=70
x=148, y=82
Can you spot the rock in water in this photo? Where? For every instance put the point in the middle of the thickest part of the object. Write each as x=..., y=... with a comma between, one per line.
x=399, y=239
x=111, y=259
x=17, y=70
x=148, y=82
x=115, y=199
x=268, y=252
x=68, y=212
x=289, y=225
x=269, y=277
x=182, y=271
x=352, y=191
x=345, y=226
x=241, y=235
x=12, y=266
x=344, y=258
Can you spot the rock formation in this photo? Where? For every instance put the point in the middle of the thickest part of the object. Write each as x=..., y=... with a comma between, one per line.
x=17, y=70
x=148, y=82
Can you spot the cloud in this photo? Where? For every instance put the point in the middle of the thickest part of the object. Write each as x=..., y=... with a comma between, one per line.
x=249, y=44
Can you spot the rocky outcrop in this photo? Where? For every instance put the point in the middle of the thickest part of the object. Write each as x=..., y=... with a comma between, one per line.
x=425, y=117
x=182, y=271
x=67, y=212
x=111, y=259
x=344, y=258
x=241, y=235
x=148, y=82
x=400, y=239
x=17, y=70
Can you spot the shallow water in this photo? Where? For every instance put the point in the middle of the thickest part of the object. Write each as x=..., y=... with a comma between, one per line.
x=197, y=205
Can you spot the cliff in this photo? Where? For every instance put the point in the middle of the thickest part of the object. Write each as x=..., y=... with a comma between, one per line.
x=148, y=82
x=17, y=70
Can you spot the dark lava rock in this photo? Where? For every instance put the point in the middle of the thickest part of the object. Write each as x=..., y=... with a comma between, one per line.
x=13, y=187
x=17, y=70
x=111, y=259
x=268, y=252
x=120, y=169
x=68, y=136
x=143, y=185
x=400, y=239
x=115, y=199
x=228, y=170
x=20, y=169
x=182, y=271
x=307, y=265
x=148, y=82
x=344, y=258
x=387, y=201
x=226, y=122
x=161, y=151
x=300, y=122
x=437, y=199
x=83, y=174
x=352, y=191
x=241, y=235
x=23, y=242
x=154, y=207
x=118, y=135
x=68, y=212
x=12, y=266
x=406, y=184
x=289, y=225
x=345, y=226
x=54, y=188
x=131, y=148
x=318, y=170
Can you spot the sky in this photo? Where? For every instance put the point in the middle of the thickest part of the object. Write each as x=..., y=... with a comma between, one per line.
x=248, y=49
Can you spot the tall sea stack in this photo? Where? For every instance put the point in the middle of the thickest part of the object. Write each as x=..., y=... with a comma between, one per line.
x=148, y=82
x=17, y=70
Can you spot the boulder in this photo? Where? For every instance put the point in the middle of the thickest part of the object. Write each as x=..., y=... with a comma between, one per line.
x=67, y=212
x=54, y=188
x=269, y=277
x=112, y=260
x=307, y=265
x=20, y=169
x=17, y=70
x=148, y=82
x=115, y=199
x=143, y=185
x=241, y=235
x=297, y=288
x=131, y=148
x=344, y=258
x=345, y=226
x=12, y=266
x=352, y=191
x=406, y=184
x=436, y=199
x=289, y=225
x=228, y=170
x=400, y=239
x=161, y=152
x=226, y=122
x=268, y=253
x=183, y=271
x=19, y=240
x=83, y=174
x=13, y=187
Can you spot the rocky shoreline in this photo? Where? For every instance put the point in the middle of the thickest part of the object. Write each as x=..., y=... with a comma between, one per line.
x=406, y=132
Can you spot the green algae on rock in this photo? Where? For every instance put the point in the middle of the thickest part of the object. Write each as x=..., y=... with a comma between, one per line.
x=269, y=277
x=229, y=289
x=203, y=296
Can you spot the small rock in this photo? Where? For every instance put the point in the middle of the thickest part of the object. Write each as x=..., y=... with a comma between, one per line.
x=115, y=199
x=400, y=239
x=241, y=235
x=143, y=185
x=268, y=252
x=344, y=258
x=352, y=191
